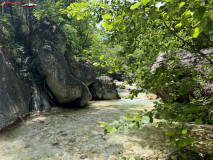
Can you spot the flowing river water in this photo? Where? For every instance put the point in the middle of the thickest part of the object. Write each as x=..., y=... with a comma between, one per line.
x=74, y=134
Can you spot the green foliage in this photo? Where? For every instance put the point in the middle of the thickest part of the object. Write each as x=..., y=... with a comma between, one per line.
x=127, y=122
x=146, y=28
x=178, y=136
x=183, y=112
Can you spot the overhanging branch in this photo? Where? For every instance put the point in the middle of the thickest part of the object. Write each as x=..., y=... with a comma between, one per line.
x=189, y=44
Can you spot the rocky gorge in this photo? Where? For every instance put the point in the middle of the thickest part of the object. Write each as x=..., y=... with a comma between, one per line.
x=66, y=81
x=71, y=130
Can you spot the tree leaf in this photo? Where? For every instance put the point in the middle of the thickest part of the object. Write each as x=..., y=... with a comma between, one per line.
x=101, y=57
x=181, y=143
x=129, y=117
x=196, y=32
x=132, y=125
x=79, y=17
x=104, y=124
x=144, y=2
x=126, y=129
x=178, y=25
x=111, y=129
x=136, y=5
x=182, y=4
x=107, y=16
x=69, y=8
x=184, y=131
x=186, y=14
x=145, y=119
x=190, y=141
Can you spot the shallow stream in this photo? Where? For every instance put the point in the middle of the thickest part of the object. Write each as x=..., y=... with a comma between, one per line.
x=74, y=134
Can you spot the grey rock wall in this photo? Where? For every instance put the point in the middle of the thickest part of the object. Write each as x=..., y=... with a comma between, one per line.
x=14, y=94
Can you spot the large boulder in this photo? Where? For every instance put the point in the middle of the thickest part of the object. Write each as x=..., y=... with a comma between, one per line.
x=103, y=88
x=14, y=94
x=186, y=65
x=85, y=97
x=87, y=73
x=82, y=69
x=49, y=44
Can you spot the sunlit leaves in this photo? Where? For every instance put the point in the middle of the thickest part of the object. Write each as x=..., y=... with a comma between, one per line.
x=101, y=57
x=178, y=25
x=107, y=16
x=196, y=32
x=135, y=6
x=127, y=122
x=69, y=8
x=186, y=14
x=103, y=124
x=107, y=25
x=110, y=129
x=79, y=17
x=181, y=4
x=184, y=131
x=144, y=2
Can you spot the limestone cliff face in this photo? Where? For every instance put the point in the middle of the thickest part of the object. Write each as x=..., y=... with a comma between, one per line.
x=14, y=94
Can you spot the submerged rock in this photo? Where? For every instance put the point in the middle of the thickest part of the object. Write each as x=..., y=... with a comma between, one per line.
x=103, y=88
x=15, y=95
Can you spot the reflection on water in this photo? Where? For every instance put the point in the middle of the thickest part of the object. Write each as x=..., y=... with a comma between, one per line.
x=74, y=134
